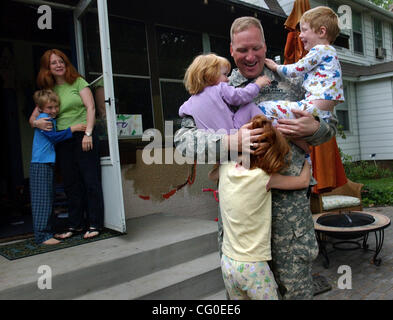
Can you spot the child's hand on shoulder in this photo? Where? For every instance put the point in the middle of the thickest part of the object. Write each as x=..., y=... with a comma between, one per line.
x=78, y=127
x=262, y=81
x=271, y=64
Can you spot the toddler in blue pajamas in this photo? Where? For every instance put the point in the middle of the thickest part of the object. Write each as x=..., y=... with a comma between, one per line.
x=42, y=165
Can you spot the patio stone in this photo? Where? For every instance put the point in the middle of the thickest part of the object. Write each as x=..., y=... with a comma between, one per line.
x=369, y=282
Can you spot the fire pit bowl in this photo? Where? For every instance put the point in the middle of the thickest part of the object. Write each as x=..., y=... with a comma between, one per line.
x=346, y=220
x=348, y=226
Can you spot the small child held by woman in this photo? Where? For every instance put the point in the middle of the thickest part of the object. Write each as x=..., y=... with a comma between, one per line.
x=42, y=165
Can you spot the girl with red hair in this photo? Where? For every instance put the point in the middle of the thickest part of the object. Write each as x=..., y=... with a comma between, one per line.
x=246, y=214
x=78, y=157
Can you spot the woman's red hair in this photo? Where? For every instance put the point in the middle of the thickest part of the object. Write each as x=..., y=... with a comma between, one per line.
x=271, y=155
x=45, y=79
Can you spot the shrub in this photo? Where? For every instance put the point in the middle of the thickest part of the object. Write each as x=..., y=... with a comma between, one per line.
x=373, y=194
x=365, y=170
x=377, y=195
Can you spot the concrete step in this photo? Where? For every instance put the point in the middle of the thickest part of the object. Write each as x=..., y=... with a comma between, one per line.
x=152, y=243
x=220, y=295
x=190, y=280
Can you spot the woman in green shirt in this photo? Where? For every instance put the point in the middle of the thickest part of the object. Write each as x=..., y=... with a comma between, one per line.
x=78, y=157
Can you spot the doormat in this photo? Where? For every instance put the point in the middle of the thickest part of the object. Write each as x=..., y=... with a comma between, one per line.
x=320, y=284
x=28, y=247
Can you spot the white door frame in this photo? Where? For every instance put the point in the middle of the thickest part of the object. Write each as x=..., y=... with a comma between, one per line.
x=110, y=166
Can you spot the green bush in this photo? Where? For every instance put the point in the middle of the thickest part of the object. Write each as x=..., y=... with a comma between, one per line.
x=377, y=195
x=378, y=187
x=364, y=170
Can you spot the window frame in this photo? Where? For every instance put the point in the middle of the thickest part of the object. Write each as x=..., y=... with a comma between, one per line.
x=375, y=34
x=345, y=107
x=361, y=33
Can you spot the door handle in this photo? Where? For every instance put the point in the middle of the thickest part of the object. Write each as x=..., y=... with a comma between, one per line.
x=108, y=101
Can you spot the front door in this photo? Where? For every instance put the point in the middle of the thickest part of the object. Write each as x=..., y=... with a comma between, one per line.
x=94, y=14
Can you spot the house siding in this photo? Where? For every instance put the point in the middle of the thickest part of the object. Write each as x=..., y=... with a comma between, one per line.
x=258, y=3
x=286, y=5
x=375, y=112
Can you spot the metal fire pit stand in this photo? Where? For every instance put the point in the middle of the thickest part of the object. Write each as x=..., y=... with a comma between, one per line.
x=352, y=236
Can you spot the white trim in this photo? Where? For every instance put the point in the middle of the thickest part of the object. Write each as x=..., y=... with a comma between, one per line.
x=48, y=3
x=375, y=77
x=81, y=8
x=206, y=43
x=79, y=46
x=122, y=75
x=171, y=80
x=110, y=106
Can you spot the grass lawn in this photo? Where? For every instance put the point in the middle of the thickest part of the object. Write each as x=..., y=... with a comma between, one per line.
x=377, y=183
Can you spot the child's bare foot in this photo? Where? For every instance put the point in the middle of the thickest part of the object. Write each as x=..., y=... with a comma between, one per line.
x=51, y=241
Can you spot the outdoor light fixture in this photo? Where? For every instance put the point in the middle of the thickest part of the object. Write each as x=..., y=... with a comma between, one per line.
x=372, y=156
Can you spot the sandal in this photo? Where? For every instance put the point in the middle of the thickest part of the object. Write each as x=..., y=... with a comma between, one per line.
x=91, y=230
x=68, y=234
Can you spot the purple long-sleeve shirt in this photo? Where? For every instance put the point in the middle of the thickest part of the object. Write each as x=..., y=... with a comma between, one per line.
x=210, y=107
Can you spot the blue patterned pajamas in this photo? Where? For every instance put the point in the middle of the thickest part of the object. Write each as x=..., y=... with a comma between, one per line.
x=321, y=73
x=41, y=193
x=281, y=109
x=248, y=280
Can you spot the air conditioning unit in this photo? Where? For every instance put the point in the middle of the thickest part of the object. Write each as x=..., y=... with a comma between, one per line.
x=380, y=53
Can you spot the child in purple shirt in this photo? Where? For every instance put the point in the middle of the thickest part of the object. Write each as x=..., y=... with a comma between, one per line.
x=206, y=80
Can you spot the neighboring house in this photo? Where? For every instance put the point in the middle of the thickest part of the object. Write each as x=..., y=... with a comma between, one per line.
x=366, y=56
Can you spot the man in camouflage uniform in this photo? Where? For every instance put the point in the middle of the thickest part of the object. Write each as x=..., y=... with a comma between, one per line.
x=294, y=246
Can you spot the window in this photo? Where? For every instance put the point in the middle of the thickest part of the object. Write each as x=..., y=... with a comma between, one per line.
x=342, y=112
x=391, y=30
x=221, y=47
x=357, y=33
x=131, y=78
x=378, y=33
x=173, y=95
x=176, y=50
x=342, y=39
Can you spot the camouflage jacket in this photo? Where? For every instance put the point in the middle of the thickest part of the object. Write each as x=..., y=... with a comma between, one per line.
x=291, y=214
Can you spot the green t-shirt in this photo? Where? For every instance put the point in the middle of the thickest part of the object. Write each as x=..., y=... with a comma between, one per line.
x=72, y=109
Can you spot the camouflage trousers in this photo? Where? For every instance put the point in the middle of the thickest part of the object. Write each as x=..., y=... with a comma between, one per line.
x=292, y=266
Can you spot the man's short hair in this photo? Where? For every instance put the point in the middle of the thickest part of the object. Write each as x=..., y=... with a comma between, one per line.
x=243, y=23
x=42, y=97
x=322, y=16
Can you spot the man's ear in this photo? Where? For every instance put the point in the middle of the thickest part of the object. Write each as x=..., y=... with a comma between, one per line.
x=231, y=49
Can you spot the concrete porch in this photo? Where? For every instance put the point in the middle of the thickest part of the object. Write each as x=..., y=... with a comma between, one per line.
x=162, y=256
x=169, y=257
